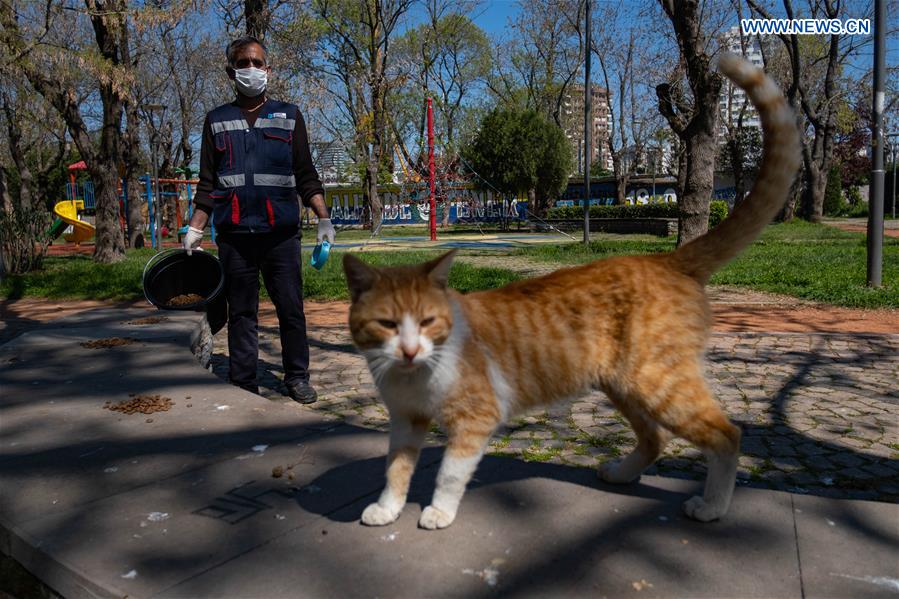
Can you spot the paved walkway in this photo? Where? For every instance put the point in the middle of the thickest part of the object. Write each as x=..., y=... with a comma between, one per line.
x=818, y=412
x=217, y=492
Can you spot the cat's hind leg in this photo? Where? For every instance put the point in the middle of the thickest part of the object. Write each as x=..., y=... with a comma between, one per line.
x=406, y=438
x=464, y=450
x=688, y=410
x=651, y=440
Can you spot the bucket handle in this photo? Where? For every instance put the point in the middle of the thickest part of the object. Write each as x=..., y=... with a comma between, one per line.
x=151, y=262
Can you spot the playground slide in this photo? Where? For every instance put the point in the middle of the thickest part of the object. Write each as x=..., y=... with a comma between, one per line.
x=57, y=228
x=68, y=212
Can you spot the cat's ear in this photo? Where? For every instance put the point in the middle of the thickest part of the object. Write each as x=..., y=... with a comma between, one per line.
x=439, y=268
x=360, y=277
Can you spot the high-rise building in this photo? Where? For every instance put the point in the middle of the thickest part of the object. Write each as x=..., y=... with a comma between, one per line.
x=573, y=122
x=733, y=99
x=332, y=161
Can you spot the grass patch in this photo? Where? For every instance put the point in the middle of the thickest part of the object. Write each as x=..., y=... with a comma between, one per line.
x=815, y=262
x=801, y=259
x=536, y=453
x=79, y=277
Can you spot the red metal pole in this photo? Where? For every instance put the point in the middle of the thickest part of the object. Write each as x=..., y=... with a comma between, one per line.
x=433, y=210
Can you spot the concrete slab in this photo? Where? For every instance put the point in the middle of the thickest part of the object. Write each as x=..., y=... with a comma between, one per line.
x=139, y=542
x=528, y=529
x=847, y=548
x=60, y=447
x=183, y=503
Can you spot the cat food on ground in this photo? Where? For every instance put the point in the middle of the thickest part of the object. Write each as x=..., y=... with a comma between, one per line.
x=143, y=404
x=148, y=320
x=108, y=342
x=185, y=299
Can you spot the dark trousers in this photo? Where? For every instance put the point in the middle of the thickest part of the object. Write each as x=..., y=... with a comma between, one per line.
x=243, y=257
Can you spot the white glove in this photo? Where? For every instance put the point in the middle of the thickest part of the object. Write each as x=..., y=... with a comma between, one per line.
x=325, y=231
x=192, y=239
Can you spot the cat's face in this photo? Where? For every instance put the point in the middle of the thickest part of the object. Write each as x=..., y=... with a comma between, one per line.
x=400, y=316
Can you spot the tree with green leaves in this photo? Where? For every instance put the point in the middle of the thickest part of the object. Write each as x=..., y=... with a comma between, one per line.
x=353, y=56
x=37, y=43
x=447, y=58
x=519, y=151
x=539, y=63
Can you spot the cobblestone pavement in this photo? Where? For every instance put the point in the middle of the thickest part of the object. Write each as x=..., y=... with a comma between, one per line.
x=818, y=412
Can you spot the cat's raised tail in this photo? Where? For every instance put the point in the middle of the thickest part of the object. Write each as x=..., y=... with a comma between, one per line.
x=781, y=156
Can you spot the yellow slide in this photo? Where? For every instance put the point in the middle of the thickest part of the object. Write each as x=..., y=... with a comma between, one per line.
x=68, y=212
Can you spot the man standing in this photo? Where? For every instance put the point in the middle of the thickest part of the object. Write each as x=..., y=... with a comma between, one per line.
x=254, y=162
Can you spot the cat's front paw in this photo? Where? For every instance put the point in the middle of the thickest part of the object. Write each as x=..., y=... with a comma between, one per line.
x=378, y=515
x=612, y=472
x=433, y=518
x=698, y=509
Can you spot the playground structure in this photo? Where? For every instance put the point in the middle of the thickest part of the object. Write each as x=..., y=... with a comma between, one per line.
x=72, y=228
x=80, y=199
x=180, y=185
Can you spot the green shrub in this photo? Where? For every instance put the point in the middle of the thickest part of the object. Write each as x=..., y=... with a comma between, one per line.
x=833, y=194
x=854, y=197
x=625, y=211
x=717, y=213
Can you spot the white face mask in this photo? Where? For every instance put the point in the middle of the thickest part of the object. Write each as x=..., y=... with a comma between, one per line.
x=251, y=81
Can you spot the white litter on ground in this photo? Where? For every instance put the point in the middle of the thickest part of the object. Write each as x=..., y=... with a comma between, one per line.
x=882, y=581
x=130, y=575
x=157, y=516
x=260, y=448
x=488, y=575
x=391, y=537
x=222, y=407
x=831, y=522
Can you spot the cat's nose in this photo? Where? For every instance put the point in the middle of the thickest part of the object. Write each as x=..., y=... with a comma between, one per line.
x=410, y=353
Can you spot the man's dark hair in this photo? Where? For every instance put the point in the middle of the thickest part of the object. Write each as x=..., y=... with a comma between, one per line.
x=241, y=42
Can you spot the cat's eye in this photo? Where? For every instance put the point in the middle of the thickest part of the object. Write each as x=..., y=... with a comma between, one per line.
x=387, y=324
x=427, y=321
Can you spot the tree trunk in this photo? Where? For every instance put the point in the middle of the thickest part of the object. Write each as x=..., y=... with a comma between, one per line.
x=5, y=197
x=14, y=135
x=693, y=218
x=788, y=212
x=110, y=243
x=374, y=200
x=256, y=18
x=812, y=201
x=533, y=208
x=621, y=189
x=699, y=133
x=131, y=157
x=735, y=149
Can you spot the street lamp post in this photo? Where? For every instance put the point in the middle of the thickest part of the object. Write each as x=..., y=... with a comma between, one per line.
x=154, y=138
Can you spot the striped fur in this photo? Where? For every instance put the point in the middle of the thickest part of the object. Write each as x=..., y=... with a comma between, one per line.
x=635, y=327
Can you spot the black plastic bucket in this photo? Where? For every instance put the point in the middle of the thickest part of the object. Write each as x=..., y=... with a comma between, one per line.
x=172, y=273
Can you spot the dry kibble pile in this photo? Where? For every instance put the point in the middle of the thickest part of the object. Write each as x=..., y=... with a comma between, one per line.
x=143, y=404
x=108, y=342
x=147, y=320
x=185, y=299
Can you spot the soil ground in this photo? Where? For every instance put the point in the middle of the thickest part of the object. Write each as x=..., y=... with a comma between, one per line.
x=735, y=310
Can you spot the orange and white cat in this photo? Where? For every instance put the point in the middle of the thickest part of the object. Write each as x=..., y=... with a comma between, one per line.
x=634, y=327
